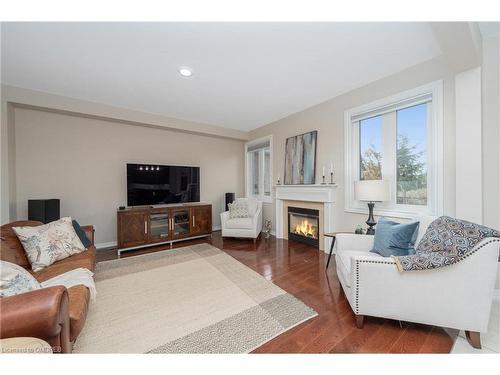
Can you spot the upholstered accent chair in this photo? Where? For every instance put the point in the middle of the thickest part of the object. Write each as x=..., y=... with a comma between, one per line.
x=457, y=296
x=247, y=227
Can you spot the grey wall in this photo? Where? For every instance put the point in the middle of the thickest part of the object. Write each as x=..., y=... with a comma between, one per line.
x=82, y=161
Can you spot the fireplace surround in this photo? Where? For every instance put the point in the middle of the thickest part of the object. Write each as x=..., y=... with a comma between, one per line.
x=319, y=197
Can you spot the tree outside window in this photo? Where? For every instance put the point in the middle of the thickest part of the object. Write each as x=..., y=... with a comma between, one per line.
x=370, y=138
x=411, y=177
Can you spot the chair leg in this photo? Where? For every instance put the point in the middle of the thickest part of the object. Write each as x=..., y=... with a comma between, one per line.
x=474, y=339
x=254, y=240
x=360, y=320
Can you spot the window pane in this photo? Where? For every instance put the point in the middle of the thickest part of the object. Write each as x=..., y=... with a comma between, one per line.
x=254, y=172
x=412, y=155
x=370, y=146
x=267, y=173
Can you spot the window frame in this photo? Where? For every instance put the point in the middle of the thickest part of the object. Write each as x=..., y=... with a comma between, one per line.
x=435, y=157
x=248, y=188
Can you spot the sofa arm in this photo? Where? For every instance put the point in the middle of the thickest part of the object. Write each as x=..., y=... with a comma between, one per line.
x=353, y=242
x=41, y=313
x=257, y=220
x=89, y=232
x=223, y=218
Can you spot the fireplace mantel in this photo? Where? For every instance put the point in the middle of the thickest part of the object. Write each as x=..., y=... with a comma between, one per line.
x=306, y=193
x=323, y=194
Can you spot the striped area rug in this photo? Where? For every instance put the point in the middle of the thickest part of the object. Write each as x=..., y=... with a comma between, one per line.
x=195, y=299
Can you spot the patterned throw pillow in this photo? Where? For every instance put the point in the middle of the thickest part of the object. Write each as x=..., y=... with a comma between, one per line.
x=238, y=210
x=15, y=280
x=46, y=244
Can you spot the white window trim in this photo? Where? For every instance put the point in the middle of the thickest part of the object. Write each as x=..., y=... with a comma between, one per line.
x=435, y=163
x=263, y=198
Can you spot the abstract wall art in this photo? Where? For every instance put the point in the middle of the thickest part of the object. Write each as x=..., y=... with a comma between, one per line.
x=300, y=159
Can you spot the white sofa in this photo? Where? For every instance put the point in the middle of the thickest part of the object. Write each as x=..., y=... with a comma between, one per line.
x=244, y=227
x=457, y=296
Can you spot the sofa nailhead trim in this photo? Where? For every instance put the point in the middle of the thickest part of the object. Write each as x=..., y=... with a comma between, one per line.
x=358, y=261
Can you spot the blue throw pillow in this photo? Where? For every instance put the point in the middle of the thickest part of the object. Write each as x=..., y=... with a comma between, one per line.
x=393, y=238
x=81, y=234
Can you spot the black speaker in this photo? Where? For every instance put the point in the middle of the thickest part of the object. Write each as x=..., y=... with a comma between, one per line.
x=44, y=210
x=229, y=199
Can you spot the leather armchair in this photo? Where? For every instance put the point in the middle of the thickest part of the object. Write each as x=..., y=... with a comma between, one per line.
x=39, y=313
x=243, y=227
x=458, y=296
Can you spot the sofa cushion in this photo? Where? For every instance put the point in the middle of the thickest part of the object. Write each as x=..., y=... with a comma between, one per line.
x=240, y=223
x=85, y=259
x=15, y=279
x=46, y=244
x=344, y=259
x=79, y=297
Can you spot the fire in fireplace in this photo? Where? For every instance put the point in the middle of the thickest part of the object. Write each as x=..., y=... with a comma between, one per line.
x=303, y=225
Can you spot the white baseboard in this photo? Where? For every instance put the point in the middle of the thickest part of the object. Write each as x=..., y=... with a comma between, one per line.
x=105, y=245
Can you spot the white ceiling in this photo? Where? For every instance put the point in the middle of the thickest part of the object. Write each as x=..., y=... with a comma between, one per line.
x=245, y=74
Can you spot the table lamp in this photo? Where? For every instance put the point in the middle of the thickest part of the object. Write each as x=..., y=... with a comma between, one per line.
x=371, y=191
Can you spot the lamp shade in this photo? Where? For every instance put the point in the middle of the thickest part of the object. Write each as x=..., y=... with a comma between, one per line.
x=371, y=190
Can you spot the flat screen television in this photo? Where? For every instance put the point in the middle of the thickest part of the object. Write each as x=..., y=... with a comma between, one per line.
x=150, y=184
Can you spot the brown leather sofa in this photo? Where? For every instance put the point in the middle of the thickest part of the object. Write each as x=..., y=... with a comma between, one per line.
x=56, y=314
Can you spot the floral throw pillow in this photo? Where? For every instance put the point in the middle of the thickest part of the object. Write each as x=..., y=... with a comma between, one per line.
x=238, y=210
x=15, y=280
x=46, y=244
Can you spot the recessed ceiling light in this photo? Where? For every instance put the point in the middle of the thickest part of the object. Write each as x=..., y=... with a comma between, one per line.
x=185, y=71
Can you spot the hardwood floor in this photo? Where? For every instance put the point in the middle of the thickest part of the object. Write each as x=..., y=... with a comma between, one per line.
x=300, y=270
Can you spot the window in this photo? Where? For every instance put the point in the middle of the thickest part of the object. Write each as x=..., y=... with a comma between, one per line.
x=398, y=139
x=259, y=168
x=370, y=144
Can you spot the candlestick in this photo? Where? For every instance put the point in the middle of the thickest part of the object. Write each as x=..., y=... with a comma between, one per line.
x=323, y=171
x=331, y=177
x=279, y=180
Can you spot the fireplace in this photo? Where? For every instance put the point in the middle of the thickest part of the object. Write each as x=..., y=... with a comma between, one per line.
x=316, y=197
x=303, y=225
